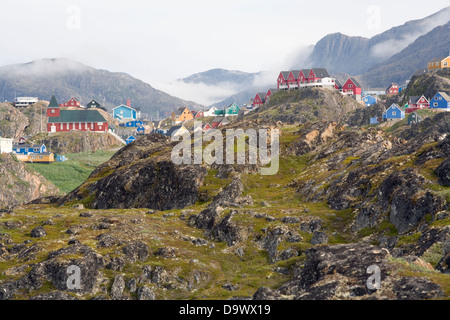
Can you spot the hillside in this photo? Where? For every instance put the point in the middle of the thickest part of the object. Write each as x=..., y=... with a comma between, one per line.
x=402, y=66
x=67, y=78
x=310, y=104
x=141, y=227
x=428, y=84
x=356, y=55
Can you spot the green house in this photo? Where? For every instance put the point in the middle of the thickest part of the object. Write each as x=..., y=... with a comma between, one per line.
x=414, y=118
x=232, y=110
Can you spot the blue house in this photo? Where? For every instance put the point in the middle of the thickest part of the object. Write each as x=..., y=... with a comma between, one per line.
x=369, y=100
x=140, y=130
x=27, y=149
x=132, y=124
x=441, y=101
x=394, y=113
x=130, y=139
x=374, y=120
x=124, y=113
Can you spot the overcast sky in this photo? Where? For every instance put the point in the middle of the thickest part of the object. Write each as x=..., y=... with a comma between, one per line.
x=169, y=39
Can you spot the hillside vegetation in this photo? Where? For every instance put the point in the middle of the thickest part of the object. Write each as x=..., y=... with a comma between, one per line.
x=141, y=227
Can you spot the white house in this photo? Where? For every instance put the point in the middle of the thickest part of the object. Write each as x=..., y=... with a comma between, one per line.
x=211, y=112
x=25, y=101
x=6, y=145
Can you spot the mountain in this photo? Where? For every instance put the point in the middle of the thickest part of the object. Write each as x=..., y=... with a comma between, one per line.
x=402, y=65
x=222, y=77
x=356, y=55
x=67, y=78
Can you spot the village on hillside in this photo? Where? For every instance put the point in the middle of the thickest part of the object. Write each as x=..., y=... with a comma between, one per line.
x=126, y=124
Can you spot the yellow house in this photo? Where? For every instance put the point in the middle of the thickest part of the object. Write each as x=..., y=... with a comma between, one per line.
x=439, y=63
x=181, y=115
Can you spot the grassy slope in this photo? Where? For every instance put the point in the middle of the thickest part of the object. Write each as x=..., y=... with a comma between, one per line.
x=68, y=175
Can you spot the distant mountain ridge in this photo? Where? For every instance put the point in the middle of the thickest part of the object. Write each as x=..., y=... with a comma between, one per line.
x=67, y=78
x=356, y=55
x=222, y=76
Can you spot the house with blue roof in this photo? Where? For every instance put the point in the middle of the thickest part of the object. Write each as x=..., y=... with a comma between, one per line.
x=394, y=113
x=369, y=100
x=440, y=101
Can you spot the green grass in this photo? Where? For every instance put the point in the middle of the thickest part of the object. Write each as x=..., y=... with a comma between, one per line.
x=68, y=175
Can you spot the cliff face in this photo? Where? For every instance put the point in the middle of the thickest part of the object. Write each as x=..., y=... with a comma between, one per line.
x=19, y=185
x=142, y=175
x=77, y=141
x=12, y=121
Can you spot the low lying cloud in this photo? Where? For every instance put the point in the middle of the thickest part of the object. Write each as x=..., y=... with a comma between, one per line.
x=197, y=92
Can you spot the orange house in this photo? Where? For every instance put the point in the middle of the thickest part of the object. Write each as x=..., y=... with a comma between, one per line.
x=181, y=115
x=439, y=63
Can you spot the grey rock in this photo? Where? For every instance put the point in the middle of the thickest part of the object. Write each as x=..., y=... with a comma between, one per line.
x=136, y=250
x=145, y=293
x=319, y=238
x=117, y=288
x=38, y=232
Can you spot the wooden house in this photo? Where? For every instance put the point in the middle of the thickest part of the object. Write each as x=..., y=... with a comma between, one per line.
x=199, y=114
x=282, y=81
x=440, y=101
x=182, y=114
x=66, y=120
x=303, y=77
x=392, y=89
x=232, y=110
x=292, y=80
x=93, y=104
x=29, y=148
x=316, y=74
x=414, y=118
x=269, y=93
x=338, y=85
x=369, y=100
x=211, y=112
x=394, y=113
x=130, y=139
x=73, y=102
x=218, y=122
x=177, y=131
x=417, y=103
x=45, y=157
x=259, y=100
x=439, y=63
x=125, y=113
x=352, y=87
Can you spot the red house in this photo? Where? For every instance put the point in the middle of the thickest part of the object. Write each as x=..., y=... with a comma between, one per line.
x=292, y=79
x=270, y=92
x=417, y=103
x=71, y=103
x=67, y=120
x=303, y=76
x=259, y=99
x=218, y=122
x=282, y=81
x=315, y=74
x=392, y=89
x=199, y=114
x=351, y=86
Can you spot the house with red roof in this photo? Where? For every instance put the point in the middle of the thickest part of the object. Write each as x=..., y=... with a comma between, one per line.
x=73, y=102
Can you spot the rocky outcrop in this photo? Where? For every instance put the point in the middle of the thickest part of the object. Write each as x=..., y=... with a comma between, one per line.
x=80, y=141
x=19, y=184
x=342, y=272
x=142, y=175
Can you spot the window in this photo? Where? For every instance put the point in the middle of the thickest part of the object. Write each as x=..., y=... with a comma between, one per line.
x=53, y=110
x=394, y=113
x=445, y=63
x=435, y=104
